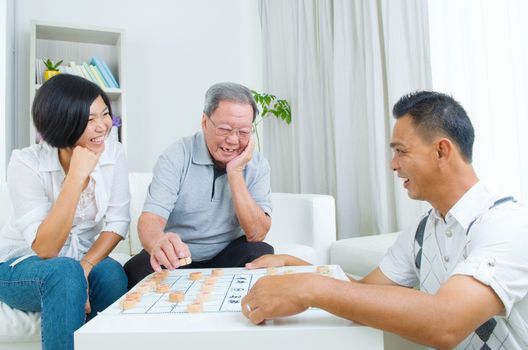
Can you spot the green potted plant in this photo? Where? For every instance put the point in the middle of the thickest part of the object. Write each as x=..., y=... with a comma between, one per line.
x=270, y=105
x=52, y=69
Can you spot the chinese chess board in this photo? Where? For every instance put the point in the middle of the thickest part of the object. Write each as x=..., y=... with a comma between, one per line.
x=184, y=291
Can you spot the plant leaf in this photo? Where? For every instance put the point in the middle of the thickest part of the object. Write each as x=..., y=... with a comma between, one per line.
x=272, y=105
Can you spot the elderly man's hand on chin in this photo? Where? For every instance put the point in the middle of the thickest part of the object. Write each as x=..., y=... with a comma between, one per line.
x=279, y=296
x=237, y=164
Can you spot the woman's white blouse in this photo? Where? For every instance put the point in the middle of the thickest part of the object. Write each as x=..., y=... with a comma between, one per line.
x=35, y=177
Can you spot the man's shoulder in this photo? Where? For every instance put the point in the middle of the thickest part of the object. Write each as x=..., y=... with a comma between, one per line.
x=180, y=148
x=505, y=222
x=509, y=211
x=184, y=142
x=258, y=160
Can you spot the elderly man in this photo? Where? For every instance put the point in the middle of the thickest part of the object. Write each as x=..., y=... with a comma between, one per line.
x=467, y=256
x=210, y=197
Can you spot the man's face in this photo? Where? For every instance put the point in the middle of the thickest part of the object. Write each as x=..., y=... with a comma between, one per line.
x=238, y=118
x=414, y=160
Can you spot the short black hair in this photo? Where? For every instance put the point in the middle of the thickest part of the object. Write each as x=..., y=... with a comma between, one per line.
x=61, y=108
x=435, y=113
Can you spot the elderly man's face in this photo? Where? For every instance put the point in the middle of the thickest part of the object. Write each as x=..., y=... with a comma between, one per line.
x=227, y=130
x=414, y=160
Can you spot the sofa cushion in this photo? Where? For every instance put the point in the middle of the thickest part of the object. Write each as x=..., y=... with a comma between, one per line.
x=18, y=326
x=360, y=255
x=15, y=325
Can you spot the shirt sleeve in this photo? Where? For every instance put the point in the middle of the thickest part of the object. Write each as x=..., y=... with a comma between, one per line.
x=496, y=253
x=28, y=194
x=117, y=216
x=398, y=263
x=258, y=182
x=165, y=186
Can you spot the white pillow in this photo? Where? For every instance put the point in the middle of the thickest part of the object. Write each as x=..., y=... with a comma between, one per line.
x=18, y=326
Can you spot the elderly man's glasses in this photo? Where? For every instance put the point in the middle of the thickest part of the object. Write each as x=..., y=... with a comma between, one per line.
x=226, y=130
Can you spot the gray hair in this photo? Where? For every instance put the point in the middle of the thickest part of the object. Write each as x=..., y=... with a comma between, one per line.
x=231, y=92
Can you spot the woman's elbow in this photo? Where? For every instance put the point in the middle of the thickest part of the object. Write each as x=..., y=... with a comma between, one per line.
x=45, y=252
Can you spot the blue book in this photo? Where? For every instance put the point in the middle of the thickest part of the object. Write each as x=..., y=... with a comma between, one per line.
x=105, y=72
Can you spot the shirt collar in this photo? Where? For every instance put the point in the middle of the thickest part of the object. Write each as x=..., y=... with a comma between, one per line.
x=49, y=158
x=471, y=205
x=201, y=152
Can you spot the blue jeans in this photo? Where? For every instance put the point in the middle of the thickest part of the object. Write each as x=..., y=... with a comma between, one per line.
x=57, y=288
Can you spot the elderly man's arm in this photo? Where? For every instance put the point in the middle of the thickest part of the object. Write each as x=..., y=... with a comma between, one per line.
x=254, y=221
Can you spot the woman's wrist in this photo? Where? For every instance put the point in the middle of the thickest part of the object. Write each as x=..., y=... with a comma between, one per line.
x=75, y=180
x=87, y=261
x=87, y=265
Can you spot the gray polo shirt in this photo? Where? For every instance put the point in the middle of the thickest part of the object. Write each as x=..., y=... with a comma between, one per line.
x=181, y=192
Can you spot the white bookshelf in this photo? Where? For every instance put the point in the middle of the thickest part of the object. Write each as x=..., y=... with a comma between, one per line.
x=79, y=44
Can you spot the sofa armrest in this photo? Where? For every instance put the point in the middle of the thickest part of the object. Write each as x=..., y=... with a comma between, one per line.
x=5, y=204
x=360, y=255
x=306, y=219
x=139, y=183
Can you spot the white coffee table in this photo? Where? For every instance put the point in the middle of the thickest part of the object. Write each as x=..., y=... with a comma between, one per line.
x=218, y=327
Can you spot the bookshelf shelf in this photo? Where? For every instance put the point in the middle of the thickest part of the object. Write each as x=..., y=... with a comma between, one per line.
x=73, y=43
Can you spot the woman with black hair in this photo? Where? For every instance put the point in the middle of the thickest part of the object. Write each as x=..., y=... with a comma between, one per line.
x=70, y=200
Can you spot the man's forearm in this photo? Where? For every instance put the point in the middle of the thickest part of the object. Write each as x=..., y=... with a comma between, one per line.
x=150, y=229
x=251, y=217
x=377, y=306
x=441, y=320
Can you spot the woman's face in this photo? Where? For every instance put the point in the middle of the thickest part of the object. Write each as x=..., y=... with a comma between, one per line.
x=99, y=124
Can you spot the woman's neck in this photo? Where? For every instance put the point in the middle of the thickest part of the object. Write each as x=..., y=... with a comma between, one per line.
x=65, y=155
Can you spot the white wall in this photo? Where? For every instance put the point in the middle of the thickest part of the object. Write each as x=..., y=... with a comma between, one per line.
x=6, y=84
x=479, y=52
x=174, y=50
x=3, y=83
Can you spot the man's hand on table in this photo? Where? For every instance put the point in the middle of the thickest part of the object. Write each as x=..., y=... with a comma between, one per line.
x=278, y=296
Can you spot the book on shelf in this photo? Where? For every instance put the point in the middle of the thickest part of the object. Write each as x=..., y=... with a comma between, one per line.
x=107, y=74
x=102, y=76
x=85, y=73
x=77, y=70
x=86, y=68
x=91, y=72
x=98, y=77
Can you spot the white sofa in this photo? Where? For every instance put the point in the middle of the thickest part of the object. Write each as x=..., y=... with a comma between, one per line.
x=360, y=255
x=303, y=225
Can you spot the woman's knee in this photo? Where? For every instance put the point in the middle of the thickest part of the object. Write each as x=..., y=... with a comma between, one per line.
x=109, y=274
x=63, y=269
x=65, y=276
